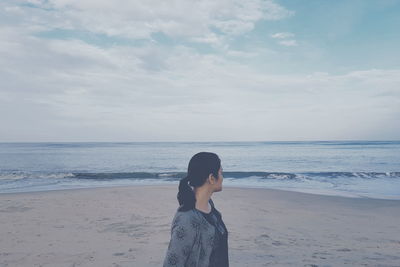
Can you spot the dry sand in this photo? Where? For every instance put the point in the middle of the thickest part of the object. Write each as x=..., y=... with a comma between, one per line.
x=130, y=226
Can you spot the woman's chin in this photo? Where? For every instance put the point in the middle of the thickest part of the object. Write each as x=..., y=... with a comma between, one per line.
x=218, y=190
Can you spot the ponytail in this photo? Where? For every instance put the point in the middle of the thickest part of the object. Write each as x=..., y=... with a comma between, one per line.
x=186, y=197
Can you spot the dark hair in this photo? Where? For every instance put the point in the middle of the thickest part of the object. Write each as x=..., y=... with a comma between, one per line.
x=200, y=167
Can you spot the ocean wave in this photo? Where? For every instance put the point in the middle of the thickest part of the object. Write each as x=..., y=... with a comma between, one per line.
x=26, y=175
x=173, y=176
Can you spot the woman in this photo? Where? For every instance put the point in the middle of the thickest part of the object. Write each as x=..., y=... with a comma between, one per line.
x=199, y=237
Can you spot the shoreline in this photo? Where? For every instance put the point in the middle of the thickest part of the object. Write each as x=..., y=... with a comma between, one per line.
x=130, y=226
x=329, y=193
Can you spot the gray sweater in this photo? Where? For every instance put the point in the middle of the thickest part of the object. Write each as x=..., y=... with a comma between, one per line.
x=192, y=240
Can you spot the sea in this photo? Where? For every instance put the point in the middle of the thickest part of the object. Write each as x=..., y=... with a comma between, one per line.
x=360, y=169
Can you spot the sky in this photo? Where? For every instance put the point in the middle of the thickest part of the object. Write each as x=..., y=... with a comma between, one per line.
x=199, y=70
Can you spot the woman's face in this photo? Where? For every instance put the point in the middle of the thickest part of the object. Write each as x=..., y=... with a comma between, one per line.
x=218, y=185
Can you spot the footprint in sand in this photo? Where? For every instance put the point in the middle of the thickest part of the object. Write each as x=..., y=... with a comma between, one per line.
x=321, y=255
x=125, y=228
x=264, y=240
x=119, y=254
x=343, y=249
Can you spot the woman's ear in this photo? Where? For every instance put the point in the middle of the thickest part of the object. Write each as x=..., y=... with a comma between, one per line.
x=211, y=178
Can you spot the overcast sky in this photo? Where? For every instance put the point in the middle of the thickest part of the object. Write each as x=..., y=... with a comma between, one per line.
x=194, y=70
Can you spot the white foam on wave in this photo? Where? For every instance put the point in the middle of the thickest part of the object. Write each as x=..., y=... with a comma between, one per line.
x=25, y=175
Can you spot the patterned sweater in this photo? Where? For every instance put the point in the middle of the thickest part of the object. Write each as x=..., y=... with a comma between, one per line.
x=192, y=238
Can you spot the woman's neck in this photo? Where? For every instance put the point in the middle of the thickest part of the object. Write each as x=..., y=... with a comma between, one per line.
x=202, y=199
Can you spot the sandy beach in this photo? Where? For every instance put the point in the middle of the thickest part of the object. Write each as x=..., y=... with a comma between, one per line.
x=130, y=226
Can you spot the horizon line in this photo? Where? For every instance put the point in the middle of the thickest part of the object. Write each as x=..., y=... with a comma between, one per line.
x=234, y=141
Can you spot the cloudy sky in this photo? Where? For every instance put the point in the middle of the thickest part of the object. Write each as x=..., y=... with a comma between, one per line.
x=199, y=70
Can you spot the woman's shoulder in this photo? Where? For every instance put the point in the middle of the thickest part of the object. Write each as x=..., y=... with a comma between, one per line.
x=187, y=218
x=186, y=215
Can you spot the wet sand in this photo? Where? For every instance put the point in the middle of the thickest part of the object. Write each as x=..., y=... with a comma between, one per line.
x=130, y=226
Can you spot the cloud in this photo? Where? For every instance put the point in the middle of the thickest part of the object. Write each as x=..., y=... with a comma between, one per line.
x=140, y=19
x=211, y=38
x=288, y=42
x=282, y=35
x=286, y=38
x=77, y=91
